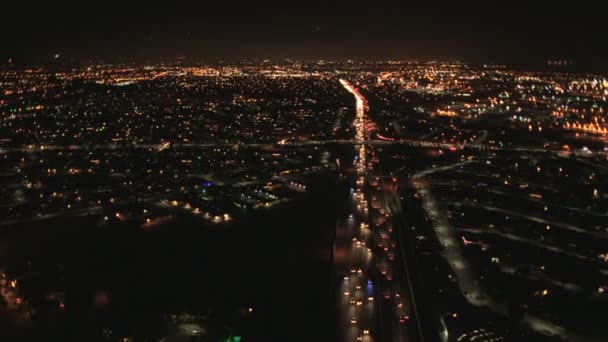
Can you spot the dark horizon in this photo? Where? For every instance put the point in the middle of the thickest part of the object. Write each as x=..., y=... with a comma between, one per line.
x=513, y=34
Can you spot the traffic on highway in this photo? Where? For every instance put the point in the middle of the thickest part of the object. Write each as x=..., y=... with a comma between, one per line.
x=376, y=302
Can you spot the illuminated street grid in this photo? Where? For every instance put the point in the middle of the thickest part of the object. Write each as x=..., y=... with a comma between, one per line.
x=483, y=186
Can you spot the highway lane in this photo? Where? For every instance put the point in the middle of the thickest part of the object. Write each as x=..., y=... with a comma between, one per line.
x=376, y=301
x=353, y=252
x=393, y=205
x=388, y=205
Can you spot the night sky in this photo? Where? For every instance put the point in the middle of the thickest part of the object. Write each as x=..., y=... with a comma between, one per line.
x=497, y=31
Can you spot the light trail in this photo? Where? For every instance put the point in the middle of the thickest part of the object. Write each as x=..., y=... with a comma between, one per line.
x=373, y=292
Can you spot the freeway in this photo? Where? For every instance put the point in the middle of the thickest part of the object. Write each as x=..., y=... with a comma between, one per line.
x=392, y=203
x=375, y=298
x=357, y=296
